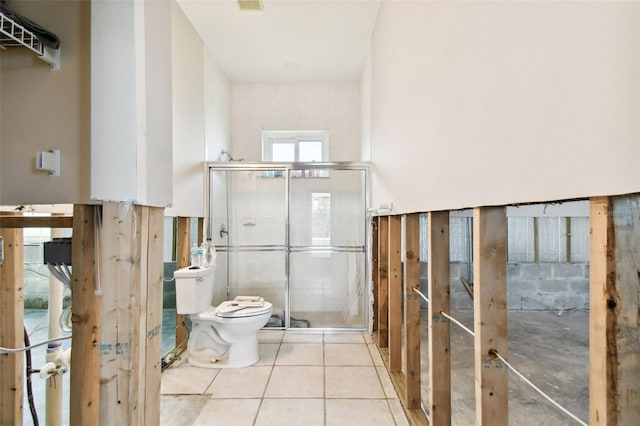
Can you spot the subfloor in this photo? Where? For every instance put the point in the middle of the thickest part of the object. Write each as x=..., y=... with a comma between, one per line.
x=303, y=379
x=550, y=348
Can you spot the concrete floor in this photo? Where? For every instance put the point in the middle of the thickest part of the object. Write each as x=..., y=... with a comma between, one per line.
x=549, y=349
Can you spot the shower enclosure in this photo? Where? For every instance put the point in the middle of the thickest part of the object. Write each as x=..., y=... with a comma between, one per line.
x=294, y=234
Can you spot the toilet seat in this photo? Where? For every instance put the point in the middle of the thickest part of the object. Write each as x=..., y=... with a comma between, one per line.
x=226, y=310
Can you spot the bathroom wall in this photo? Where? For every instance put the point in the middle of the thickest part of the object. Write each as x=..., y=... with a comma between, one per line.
x=43, y=109
x=487, y=103
x=296, y=106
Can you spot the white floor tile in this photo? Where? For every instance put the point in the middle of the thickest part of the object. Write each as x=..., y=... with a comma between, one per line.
x=300, y=354
x=291, y=412
x=293, y=337
x=187, y=380
x=270, y=336
x=348, y=412
x=268, y=353
x=352, y=382
x=398, y=412
x=248, y=382
x=344, y=338
x=225, y=412
x=375, y=355
x=387, y=385
x=347, y=354
x=296, y=382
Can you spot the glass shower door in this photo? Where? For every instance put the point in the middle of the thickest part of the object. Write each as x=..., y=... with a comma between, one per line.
x=248, y=226
x=327, y=248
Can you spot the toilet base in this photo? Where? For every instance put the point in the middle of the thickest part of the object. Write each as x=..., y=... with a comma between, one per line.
x=241, y=354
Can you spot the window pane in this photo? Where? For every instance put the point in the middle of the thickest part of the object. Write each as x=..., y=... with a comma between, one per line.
x=310, y=151
x=284, y=152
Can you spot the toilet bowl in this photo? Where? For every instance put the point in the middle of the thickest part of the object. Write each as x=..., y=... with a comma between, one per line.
x=225, y=336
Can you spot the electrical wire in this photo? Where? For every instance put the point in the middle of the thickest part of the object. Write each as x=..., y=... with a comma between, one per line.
x=455, y=321
x=527, y=381
x=28, y=372
x=27, y=348
x=547, y=397
x=65, y=320
x=423, y=296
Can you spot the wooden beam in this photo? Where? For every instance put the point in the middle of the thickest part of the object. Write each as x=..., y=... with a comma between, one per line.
x=374, y=268
x=131, y=354
x=155, y=266
x=490, y=314
x=182, y=261
x=86, y=319
x=395, y=294
x=412, y=310
x=439, y=296
x=16, y=221
x=614, y=353
x=200, y=230
x=383, y=282
x=11, y=326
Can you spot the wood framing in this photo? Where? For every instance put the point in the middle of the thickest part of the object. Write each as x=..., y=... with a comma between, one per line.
x=395, y=294
x=86, y=319
x=439, y=296
x=16, y=221
x=131, y=346
x=383, y=281
x=412, y=310
x=374, y=269
x=614, y=353
x=182, y=261
x=490, y=314
x=11, y=325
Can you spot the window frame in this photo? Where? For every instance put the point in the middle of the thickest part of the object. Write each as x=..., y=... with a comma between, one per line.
x=269, y=137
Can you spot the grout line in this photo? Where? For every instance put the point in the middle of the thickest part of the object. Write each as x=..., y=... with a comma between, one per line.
x=266, y=386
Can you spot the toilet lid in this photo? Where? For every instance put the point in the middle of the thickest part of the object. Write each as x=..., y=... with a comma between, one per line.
x=231, y=309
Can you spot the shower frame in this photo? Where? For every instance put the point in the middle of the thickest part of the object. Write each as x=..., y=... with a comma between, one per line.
x=287, y=168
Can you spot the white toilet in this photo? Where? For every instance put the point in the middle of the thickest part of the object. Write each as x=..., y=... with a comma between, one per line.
x=225, y=336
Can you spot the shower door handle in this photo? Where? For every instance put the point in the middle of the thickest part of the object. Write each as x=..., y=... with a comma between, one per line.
x=223, y=230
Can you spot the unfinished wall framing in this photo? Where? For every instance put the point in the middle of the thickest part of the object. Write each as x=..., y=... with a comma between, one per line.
x=614, y=352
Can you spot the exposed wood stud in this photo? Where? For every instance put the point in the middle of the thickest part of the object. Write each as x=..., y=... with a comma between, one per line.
x=439, y=301
x=86, y=318
x=383, y=281
x=614, y=332
x=11, y=326
x=412, y=310
x=395, y=294
x=15, y=221
x=182, y=261
x=490, y=314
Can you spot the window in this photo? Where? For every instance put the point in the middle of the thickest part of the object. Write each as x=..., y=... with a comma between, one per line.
x=289, y=146
x=321, y=218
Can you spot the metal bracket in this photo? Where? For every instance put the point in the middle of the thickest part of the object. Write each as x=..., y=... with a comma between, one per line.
x=1, y=250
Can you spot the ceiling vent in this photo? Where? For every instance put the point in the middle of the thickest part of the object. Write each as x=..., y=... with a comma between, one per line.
x=250, y=4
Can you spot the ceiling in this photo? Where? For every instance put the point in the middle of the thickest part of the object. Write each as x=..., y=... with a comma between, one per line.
x=289, y=40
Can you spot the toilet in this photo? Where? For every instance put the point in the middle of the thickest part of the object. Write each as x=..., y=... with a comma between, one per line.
x=225, y=336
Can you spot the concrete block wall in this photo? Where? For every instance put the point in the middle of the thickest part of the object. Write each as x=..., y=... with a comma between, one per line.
x=530, y=286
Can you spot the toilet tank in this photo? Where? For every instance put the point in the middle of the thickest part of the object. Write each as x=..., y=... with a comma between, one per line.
x=194, y=289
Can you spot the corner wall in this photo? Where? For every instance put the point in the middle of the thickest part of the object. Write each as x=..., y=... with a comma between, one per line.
x=43, y=109
x=492, y=103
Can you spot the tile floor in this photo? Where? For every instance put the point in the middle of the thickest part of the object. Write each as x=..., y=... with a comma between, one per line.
x=302, y=379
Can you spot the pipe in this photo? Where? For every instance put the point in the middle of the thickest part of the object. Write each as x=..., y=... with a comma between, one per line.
x=53, y=414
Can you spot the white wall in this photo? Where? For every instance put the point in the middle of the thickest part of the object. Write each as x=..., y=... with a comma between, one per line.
x=44, y=109
x=482, y=103
x=217, y=92
x=365, y=108
x=201, y=122
x=188, y=117
x=296, y=106
x=131, y=103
